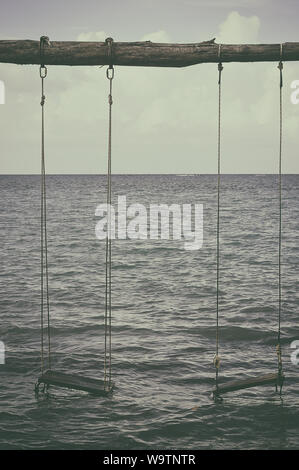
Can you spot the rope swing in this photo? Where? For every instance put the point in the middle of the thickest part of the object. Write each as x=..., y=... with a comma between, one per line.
x=43, y=219
x=278, y=378
x=48, y=376
x=108, y=309
x=217, y=357
x=278, y=347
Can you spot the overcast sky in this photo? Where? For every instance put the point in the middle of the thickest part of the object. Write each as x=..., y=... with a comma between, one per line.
x=164, y=120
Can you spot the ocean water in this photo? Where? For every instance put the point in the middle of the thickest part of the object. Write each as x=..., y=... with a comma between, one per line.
x=163, y=317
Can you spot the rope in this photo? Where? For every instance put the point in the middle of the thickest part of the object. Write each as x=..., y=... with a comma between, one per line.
x=217, y=358
x=108, y=286
x=278, y=347
x=43, y=221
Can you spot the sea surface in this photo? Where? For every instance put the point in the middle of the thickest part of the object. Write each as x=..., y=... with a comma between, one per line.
x=164, y=316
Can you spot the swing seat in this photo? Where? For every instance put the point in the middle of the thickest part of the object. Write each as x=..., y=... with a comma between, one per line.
x=234, y=385
x=75, y=382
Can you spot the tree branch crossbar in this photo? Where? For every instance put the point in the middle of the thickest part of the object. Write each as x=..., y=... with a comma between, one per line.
x=143, y=54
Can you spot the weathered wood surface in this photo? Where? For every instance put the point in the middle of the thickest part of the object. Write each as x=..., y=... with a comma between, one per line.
x=146, y=53
x=248, y=383
x=76, y=382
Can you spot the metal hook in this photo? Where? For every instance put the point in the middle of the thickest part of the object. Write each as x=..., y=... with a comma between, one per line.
x=220, y=66
x=110, y=75
x=110, y=70
x=109, y=42
x=43, y=71
x=280, y=66
x=43, y=40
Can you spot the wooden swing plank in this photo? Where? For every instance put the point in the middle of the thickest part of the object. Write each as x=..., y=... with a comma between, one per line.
x=234, y=385
x=76, y=382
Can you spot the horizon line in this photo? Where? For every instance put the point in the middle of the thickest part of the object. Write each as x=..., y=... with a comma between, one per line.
x=146, y=174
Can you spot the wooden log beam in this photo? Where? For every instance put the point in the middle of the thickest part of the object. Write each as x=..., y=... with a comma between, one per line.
x=144, y=54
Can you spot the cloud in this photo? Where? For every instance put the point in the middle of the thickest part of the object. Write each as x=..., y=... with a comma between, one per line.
x=157, y=36
x=227, y=3
x=239, y=29
x=93, y=36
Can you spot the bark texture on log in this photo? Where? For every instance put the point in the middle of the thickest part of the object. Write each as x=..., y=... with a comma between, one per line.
x=145, y=54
